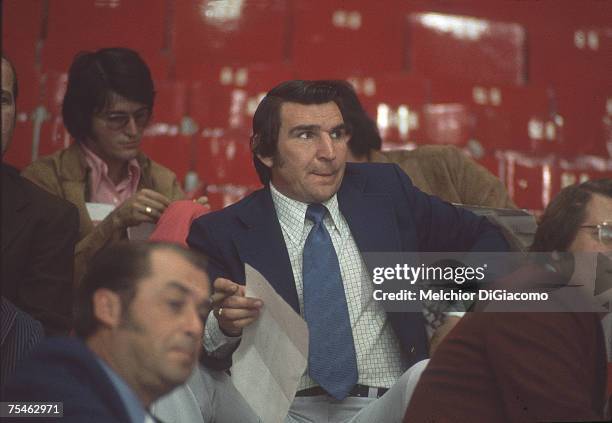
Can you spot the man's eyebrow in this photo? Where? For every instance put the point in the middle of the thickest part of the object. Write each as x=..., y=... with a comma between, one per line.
x=175, y=285
x=340, y=126
x=301, y=128
x=178, y=286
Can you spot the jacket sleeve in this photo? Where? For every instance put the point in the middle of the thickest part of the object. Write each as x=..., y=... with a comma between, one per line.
x=48, y=281
x=108, y=231
x=443, y=227
x=218, y=348
x=200, y=238
x=47, y=284
x=104, y=233
x=560, y=376
x=44, y=173
x=164, y=181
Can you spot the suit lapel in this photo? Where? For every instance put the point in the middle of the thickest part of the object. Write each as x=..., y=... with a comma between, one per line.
x=75, y=187
x=374, y=227
x=14, y=202
x=74, y=191
x=370, y=216
x=261, y=244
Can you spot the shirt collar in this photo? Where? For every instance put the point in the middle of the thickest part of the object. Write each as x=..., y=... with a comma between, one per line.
x=99, y=168
x=131, y=402
x=292, y=214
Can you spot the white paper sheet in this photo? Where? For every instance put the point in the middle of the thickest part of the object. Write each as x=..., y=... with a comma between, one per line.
x=98, y=211
x=272, y=355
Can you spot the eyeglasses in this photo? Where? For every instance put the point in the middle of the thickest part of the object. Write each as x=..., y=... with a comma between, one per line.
x=119, y=120
x=604, y=231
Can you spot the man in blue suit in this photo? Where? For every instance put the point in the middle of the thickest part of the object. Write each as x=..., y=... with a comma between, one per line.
x=140, y=313
x=305, y=232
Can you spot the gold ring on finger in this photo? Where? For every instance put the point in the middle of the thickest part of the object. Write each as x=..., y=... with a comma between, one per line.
x=148, y=210
x=220, y=311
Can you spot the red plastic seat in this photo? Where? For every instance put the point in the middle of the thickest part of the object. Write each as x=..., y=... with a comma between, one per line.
x=336, y=38
x=228, y=33
x=466, y=48
x=89, y=25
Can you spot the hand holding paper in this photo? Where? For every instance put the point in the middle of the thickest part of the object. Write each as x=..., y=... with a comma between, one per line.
x=233, y=310
x=273, y=354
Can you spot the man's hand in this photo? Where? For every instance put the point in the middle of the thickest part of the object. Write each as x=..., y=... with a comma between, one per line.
x=144, y=206
x=234, y=311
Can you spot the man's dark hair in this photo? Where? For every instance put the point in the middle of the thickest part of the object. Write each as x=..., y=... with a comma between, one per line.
x=14, y=72
x=92, y=79
x=565, y=213
x=119, y=268
x=365, y=137
x=267, y=119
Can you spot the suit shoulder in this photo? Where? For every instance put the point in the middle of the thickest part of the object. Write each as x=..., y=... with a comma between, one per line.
x=378, y=176
x=45, y=201
x=424, y=155
x=436, y=150
x=370, y=168
x=231, y=212
x=49, y=171
x=62, y=358
x=45, y=163
x=66, y=370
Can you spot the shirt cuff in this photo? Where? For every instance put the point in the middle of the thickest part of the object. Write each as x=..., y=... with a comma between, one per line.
x=215, y=341
x=454, y=313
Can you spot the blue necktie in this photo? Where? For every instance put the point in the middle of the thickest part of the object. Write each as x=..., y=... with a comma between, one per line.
x=331, y=358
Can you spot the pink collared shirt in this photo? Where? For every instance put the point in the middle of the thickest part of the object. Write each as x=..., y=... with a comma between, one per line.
x=101, y=188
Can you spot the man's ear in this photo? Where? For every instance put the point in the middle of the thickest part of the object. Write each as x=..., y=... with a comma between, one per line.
x=255, y=145
x=107, y=307
x=268, y=161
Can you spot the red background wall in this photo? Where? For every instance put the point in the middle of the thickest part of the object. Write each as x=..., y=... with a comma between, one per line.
x=525, y=87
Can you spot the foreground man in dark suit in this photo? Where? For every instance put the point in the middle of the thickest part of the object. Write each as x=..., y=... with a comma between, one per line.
x=140, y=314
x=528, y=366
x=306, y=231
x=39, y=233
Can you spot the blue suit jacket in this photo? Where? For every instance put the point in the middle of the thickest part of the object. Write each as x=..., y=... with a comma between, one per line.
x=66, y=370
x=385, y=213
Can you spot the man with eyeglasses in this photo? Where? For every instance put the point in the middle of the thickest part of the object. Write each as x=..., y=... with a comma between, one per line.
x=108, y=103
x=603, y=231
x=533, y=365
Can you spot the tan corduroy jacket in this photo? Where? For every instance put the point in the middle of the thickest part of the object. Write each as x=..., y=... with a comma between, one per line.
x=66, y=174
x=446, y=172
